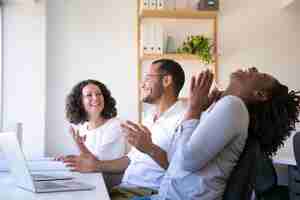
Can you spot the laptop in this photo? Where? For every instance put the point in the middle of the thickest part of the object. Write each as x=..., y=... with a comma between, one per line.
x=23, y=179
x=35, y=165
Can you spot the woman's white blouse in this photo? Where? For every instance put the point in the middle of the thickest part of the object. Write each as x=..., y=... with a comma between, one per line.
x=106, y=142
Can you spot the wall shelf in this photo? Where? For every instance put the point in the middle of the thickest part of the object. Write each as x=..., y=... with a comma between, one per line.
x=173, y=56
x=179, y=14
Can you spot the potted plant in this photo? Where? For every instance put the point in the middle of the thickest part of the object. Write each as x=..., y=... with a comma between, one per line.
x=198, y=45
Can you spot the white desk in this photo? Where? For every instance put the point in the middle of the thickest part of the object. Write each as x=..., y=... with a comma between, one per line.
x=8, y=191
x=282, y=164
x=284, y=161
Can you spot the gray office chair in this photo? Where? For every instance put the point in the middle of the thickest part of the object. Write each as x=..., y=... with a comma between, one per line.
x=241, y=181
x=294, y=171
x=296, y=145
x=253, y=172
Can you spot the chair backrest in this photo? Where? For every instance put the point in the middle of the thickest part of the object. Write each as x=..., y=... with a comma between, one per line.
x=296, y=145
x=265, y=175
x=253, y=172
x=241, y=179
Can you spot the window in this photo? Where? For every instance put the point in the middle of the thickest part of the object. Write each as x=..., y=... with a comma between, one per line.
x=1, y=70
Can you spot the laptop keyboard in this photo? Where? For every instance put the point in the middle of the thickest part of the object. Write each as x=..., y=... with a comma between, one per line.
x=48, y=185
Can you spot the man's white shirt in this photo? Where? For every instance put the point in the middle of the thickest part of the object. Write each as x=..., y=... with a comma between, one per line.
x=143, y=171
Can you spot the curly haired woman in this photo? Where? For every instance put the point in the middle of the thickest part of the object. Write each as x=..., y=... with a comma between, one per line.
x=91, y=107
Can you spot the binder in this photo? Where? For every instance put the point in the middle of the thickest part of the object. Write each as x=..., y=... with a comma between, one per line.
x=144, y=36
x=147, y=38
x=151, y=40
x=158, y=38
x=145, y=4
x=153, y=4
x=160, y=4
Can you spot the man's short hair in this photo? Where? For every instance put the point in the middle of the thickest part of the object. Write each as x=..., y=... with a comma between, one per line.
x=174, y=69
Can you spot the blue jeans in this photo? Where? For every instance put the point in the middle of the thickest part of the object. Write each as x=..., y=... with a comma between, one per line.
x=141, y=198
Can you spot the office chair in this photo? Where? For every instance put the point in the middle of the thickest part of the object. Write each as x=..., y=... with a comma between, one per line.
x=296, y=145
x=254, y=172
x=294, y=171
x=241, y=180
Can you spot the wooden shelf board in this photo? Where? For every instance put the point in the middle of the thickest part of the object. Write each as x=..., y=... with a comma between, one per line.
x=170, y=56
x=179, y=14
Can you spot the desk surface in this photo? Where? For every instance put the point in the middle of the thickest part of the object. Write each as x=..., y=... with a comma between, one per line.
x=280, y=160
x=10, y=192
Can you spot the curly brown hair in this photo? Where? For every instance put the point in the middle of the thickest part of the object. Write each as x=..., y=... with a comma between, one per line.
x=75, y=112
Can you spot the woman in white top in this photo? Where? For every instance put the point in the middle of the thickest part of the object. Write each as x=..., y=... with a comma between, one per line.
x=91, y=107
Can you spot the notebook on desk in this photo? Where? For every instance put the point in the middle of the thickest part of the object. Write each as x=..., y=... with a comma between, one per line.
x=20, y=171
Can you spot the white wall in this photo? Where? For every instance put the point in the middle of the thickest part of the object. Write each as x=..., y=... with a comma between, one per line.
x=89, y=39
x=260, y=33
x=24, y=71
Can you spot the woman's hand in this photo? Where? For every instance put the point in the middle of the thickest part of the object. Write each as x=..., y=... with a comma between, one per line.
x=85, y=162
x=79, y=140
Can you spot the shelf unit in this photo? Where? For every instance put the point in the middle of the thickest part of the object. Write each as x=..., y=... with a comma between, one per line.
x=173, y=56
x=178, y=14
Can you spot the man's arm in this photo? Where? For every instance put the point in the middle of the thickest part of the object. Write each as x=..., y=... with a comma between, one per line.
x=113, y=166
x=159, y=156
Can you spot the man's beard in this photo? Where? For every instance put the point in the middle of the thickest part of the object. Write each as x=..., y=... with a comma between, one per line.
x=152, y=98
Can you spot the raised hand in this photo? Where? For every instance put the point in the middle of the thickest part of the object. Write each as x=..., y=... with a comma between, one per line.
x=198, y=99
x=86, y=161
x=79, y=140
x=138, y=136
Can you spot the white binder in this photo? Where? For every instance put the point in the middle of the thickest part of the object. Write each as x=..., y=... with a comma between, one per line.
x=160, y=4
x=147, y=38
x=152, y=38
x=153, y=4
x=158, y=38
x=145, y=4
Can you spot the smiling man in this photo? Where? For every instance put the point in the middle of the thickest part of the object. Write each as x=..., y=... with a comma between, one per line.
x=145, y=164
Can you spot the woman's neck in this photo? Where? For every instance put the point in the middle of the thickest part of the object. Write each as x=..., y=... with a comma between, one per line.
x=235, y=91
x=96, y=122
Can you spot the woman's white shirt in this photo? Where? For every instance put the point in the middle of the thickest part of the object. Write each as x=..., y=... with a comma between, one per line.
x=107, y=141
